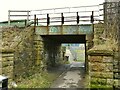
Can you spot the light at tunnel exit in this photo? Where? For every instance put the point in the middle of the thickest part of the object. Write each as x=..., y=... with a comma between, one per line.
x=74, y=52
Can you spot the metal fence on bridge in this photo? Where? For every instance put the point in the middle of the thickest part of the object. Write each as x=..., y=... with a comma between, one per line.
x=58, y=16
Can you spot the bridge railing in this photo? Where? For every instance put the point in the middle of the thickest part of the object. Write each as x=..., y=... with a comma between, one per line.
x=18, y=15
x=58, y=16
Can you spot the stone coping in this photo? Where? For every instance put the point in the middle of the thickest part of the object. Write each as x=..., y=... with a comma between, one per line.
x=100, y=52
x=7, y=50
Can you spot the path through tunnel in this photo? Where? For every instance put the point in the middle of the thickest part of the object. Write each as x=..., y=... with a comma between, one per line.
x=53, y=44
x=75, y=72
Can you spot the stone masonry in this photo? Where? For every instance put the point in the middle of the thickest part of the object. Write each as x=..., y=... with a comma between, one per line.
x=101, y=68
x=17, y=53
x=102, y=60
x=25, y=53
x=39, y=51
x=7, y=62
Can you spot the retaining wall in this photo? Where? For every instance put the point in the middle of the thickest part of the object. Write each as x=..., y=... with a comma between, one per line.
x=103, y=60
x=17, y=53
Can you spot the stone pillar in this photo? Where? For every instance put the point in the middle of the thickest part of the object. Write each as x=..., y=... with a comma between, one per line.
x=39, y=51
x=101, y=59
x=6, y=64
x=100, y=68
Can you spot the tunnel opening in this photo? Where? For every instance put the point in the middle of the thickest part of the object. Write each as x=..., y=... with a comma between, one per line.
x=55, y=48
x=74, y=53
x=54, y=52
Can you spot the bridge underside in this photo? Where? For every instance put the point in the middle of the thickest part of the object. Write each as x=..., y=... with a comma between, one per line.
x=52, y=46
x=65, y=38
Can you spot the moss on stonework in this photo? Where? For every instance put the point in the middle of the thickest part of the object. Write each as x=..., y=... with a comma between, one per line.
x=101, y=87
x=98, y=81
x=7, y=50
x=100, y=50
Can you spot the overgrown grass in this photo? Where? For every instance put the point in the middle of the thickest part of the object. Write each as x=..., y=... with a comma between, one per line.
x=43, y=80
x=80, y=60
x=87, y=81
x=66, y=62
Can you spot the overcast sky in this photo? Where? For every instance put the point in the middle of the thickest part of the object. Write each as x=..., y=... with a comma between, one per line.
x=6, y=5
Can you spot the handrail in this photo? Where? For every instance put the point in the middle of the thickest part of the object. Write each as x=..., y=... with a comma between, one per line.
x=66, y=12
x=68, y=7
x=41, y=15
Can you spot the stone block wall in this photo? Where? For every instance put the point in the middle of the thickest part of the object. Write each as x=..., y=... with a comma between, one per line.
x=7, y=51
x=112, y=32
x=24, y=54
x=17, y=53
x=47, y=52
x=116, y=70
x=39, y=52
x=104, y=59
x=6, y=64
x=101, y=68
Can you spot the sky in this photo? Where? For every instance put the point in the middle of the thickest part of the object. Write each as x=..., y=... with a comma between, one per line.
x=6, y=5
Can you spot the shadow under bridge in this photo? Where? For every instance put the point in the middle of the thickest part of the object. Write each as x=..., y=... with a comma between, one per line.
x=53, y=43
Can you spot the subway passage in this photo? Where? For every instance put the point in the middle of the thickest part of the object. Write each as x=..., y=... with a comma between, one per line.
x=69, y=49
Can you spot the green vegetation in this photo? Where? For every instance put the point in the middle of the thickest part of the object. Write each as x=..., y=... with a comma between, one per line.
x=66, y=62
x=80, y=60
x=43, y=80
x=86, y=82
x=101, y=87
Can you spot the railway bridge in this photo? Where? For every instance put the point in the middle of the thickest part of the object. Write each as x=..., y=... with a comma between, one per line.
x=46, y=30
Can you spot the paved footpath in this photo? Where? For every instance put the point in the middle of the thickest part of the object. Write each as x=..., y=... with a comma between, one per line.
x=73, y=77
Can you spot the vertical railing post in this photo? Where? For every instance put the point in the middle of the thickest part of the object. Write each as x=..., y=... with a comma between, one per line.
x=92, y=21
x=37, y=21
x=78, y=23
x=34, y=22
x=62, y=19
x=48, y=22
x=62, y=22
x=92, y=17
x=9, y=17
x=77, y=18
x=27, y=17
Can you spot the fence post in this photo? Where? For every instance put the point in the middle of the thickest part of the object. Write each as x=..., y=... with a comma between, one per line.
x=27, y=17
x=92, y=17
x=77, y=23
x=9, y=17
x=62, y=22
x=92, y=21
x=48, y=20
x=34, y=22
x=62, y=18
x=77, y=18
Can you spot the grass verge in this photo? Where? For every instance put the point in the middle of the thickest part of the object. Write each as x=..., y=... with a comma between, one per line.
x=43, y=80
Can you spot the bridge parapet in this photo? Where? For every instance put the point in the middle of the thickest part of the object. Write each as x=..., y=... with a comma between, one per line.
x=58, y=16
x=64, y=29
